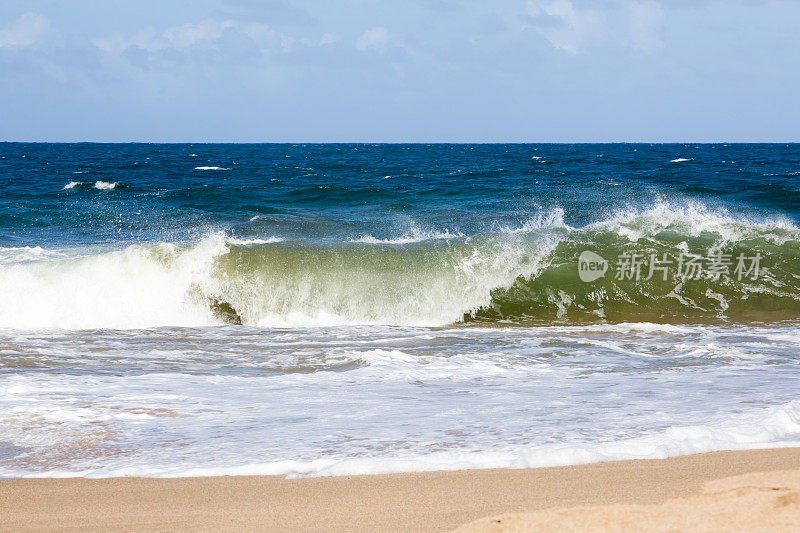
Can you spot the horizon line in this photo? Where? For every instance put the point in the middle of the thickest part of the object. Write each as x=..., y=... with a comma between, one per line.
x=397, y=142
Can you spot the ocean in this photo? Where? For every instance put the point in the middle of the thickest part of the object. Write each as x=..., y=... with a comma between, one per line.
x=329, y=309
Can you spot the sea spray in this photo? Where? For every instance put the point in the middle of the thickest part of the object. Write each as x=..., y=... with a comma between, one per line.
x=336, y=309
x=517, y=275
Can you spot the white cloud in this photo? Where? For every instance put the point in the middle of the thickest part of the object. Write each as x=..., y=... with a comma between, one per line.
x=183, y=38
x=215, y=44
x=646, y=21
x=329, y=38
x=29, y=29
x=570, y=28
x=375, y=39
x=187, y=35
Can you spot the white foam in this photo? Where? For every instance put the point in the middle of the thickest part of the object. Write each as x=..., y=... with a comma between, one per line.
x=72, y=185
x=680, y=160
x=552, y=219
x=133, y=288
x=434, y=285
x=408, y=238
x=147, y=286
x=254, y=241
x=105, y=185
x=693, y=218
x=211, y=168
x=24, y=254
x=369, y=400
x=51, y=424
x=768, y=428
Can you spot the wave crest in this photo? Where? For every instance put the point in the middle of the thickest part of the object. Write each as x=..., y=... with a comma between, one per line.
x=425, y=279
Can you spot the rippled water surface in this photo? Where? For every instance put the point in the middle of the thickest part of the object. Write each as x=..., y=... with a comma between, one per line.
x=175, y=310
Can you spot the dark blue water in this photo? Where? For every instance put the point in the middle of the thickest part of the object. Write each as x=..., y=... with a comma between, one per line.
x=348, y=309
x=334, y=192
x=394, y=234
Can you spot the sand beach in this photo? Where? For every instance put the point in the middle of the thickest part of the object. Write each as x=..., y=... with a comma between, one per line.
x=633, y=493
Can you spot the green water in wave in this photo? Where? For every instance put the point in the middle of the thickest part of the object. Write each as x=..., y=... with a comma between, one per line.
x=508, y=278
x=558, y=294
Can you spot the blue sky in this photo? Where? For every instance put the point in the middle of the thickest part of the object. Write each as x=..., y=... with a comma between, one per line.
x=418, y=70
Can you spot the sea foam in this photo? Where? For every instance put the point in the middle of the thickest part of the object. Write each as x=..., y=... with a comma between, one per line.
x=441, y=279
x=332, y=401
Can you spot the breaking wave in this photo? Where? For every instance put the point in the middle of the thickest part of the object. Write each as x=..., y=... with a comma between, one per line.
x=505, y=276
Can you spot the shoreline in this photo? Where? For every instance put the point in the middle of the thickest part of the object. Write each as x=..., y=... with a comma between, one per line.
x=421, y=501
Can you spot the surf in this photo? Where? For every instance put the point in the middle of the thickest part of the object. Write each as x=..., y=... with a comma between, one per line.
x=508, y=276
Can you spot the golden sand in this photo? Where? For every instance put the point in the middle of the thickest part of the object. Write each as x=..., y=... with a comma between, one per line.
x=762, y=501
x=428, y=501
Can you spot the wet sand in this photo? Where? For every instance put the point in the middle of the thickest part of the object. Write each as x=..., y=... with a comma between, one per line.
x=427, y=501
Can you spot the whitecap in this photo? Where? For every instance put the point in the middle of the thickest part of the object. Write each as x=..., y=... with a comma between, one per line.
x=693, y=218
x=250, y=242
x=25, y=254
x=407, y=238
x=549, y=220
